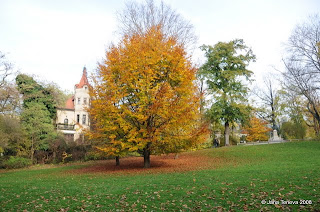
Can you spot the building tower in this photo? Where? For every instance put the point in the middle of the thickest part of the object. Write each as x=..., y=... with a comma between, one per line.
x=73, y=118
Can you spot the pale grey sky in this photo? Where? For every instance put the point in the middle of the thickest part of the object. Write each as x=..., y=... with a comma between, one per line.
x=54, y=39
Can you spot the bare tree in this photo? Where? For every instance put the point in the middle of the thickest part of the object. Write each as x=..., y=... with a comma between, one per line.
x=295, y=106
x=9, y=96
x=138, y=18
x=303, y=45
x=300, y=81
x=9, y=99
x=269, y=97
x=302, y=75
x=5, y=69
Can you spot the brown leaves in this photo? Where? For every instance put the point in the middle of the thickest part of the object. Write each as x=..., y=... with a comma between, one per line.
x=159, y=164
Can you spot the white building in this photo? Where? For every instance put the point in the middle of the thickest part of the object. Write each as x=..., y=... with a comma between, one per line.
x=73, y=118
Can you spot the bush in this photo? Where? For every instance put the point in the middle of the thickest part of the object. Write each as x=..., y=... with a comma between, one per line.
x=292, y=130
x=16, y=162
x=243, y=139
x=12, y=137
x=77, y=151
x=222, y=141
x=208, y=144
x=234, y=140
x=96, y=155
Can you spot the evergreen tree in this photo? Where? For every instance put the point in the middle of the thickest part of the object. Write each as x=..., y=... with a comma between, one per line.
x=34, y=92
x=38, y=125
x=38, y=113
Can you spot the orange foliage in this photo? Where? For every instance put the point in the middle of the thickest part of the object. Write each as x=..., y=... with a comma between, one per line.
x=257, y=130
x=145, y=97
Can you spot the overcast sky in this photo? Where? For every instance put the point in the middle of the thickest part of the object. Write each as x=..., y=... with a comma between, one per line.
x=55, y=39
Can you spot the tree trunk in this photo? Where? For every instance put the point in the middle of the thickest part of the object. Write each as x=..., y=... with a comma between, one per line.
x=273, y=119
x=272, y=105
x=176, y=156
x=201, y=100
x=226, y=133
x=32, y=150
x=315, y=114
x=54, y=155
x=117, y=161
x=146, y=156
x=316, y=126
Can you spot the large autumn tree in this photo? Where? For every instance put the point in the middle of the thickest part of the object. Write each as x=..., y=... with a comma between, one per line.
x=144, y=99
x=226, y=72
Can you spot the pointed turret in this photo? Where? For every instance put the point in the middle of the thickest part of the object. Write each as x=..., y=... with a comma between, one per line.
x=84, y=79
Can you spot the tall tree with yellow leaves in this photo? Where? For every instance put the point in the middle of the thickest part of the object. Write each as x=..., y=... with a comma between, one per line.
x=257, y=130
x=145, y=99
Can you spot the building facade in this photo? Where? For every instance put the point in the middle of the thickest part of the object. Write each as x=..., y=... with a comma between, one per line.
x=73, y=119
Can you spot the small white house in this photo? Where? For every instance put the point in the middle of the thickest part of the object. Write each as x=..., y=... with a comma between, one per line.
x=73, y=118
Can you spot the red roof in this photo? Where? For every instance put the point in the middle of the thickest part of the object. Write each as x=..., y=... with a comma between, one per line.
x=70, y=103
x=83, y=82
x=84, y=79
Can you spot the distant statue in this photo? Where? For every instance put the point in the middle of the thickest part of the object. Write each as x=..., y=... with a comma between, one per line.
x=216, y=143
x=275, y=137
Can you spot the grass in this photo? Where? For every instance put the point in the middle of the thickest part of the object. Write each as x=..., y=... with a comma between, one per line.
x=245, y=176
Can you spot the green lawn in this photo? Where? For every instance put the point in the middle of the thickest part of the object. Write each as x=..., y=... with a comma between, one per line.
x=247, y=176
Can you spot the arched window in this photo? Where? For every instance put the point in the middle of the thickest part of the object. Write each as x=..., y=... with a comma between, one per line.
x=66, y=121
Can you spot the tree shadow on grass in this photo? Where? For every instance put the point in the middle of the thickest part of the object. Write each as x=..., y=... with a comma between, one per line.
x=159, y=164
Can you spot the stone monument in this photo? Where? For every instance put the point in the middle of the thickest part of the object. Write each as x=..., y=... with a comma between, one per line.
x=275, y=137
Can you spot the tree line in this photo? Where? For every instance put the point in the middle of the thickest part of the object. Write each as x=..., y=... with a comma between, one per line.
x=147, y=97
x=142, y=82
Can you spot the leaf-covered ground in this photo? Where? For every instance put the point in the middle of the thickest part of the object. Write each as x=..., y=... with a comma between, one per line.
x=227, y=179
x=159, y=164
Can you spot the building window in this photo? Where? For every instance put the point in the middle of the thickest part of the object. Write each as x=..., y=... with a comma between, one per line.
x=85, y=101
x=85, y=87
x=84, y=117
x=78, y=101
x=78, y=118
x=65, y=121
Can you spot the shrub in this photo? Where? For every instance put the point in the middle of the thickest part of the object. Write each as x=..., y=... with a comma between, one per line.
x=222, y=141
x=292, y=130
x=77, y=151
x=243, y=138
x=208, y=144
x=16, y=162
x=96, y=155
x=234, y=140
